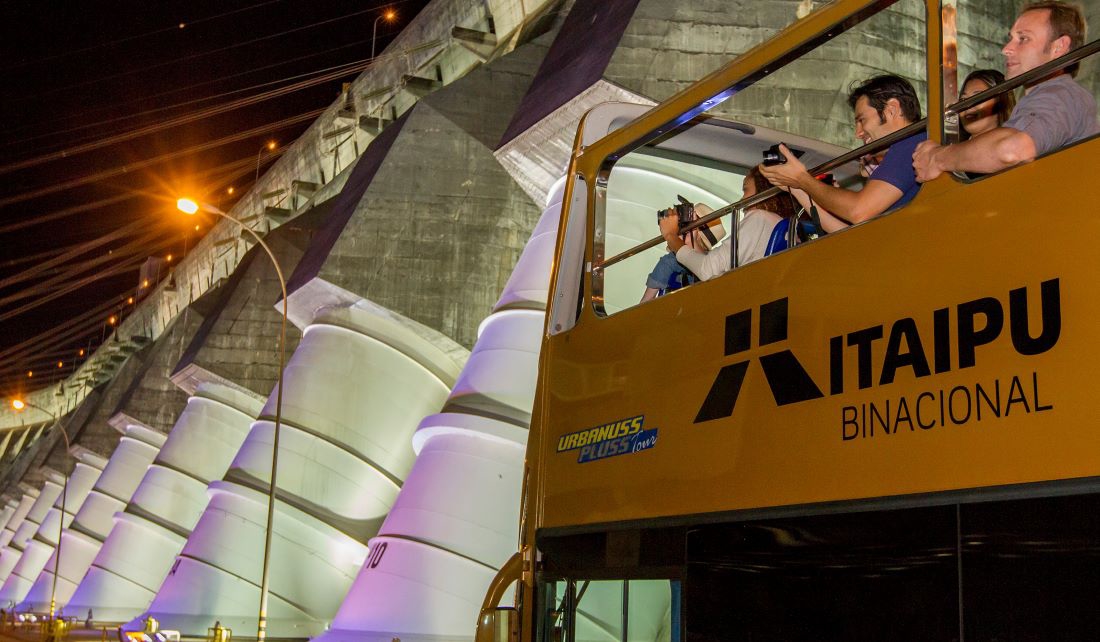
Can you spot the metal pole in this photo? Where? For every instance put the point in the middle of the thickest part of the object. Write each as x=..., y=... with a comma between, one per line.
x=64, y=499
x=60, y=528
x=261, y=629
x=258, y=154
x=373, y=35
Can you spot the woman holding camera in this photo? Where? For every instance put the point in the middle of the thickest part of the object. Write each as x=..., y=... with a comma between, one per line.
x=753, y=231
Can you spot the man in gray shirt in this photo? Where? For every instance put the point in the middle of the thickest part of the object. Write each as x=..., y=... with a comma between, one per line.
x=1055, y=111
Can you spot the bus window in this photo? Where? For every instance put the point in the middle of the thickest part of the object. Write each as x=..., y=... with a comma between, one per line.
x=887, y=575
x=803, y=103
x=612, y=611
x=640, y=185
x=553, y=626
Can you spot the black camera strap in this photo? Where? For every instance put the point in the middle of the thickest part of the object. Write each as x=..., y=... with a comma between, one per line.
x=732, y=242
x=816, y=217
x=706, y=231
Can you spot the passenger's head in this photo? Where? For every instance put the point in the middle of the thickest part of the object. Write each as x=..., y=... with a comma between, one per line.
x=754, y=183
x=883, y=105
x=1044, y=31
x=990, y=114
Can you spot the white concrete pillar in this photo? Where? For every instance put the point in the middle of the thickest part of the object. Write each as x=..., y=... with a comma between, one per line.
x=146, y=537
x=457, y=517
x=7, y=513
x=354, y=390
x=42, y=544
x=23, y=506
x=49, y=493
x=95, y=517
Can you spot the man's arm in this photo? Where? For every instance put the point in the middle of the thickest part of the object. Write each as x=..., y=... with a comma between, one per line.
x=852, y=207
x=829, y=223
x=990, y=152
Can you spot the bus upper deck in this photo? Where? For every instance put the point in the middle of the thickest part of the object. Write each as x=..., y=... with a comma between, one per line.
x=848, y=422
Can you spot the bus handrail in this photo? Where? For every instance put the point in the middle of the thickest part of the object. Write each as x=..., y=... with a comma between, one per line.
x=1078, y=54
x=745, y=203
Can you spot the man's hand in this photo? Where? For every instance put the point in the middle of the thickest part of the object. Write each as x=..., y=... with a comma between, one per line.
x=925, y=161
x=789, y=174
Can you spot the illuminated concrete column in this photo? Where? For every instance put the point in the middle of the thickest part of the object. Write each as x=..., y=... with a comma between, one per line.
x=23, y=506
x=146, y=537
x=355, y=388
x=51, y=490
x=7, y=513
x=43, y=543
x=456, y=519
x=84, y=537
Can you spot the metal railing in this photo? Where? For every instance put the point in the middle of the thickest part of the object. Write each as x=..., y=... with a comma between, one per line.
x=952, y=111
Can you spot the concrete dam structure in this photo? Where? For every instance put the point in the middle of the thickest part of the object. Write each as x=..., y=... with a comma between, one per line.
x=418, y=253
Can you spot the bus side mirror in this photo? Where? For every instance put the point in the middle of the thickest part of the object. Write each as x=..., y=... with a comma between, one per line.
x=500, y=624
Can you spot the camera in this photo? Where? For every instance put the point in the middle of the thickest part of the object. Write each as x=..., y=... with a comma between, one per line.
x=772, y=155
x=683, y=209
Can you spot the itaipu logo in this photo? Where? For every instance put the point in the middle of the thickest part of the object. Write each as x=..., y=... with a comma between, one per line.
x=957, y=333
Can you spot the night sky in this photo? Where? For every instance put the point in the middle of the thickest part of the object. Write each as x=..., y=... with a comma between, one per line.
x=82, y=81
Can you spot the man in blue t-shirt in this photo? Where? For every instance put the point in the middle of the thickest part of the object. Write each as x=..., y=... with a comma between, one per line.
x=882, y=106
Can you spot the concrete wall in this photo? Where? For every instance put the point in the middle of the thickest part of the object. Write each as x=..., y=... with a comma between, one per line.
x=441, y=224
x=667, y=46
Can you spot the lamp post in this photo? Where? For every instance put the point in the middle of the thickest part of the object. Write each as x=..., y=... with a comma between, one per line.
x=188, y=206
x=19, y=405
x=388, y=15
x=269, y=146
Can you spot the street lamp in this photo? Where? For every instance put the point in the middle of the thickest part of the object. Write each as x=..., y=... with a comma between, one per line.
x=389, y=15
x=188, y=206
x=269, y=146
x=19, y=405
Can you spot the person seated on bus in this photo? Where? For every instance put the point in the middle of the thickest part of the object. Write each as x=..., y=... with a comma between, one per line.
x=753, y=231
x=1055, y=111
x=881, y=106
x=668, y=274
x=990, y=114
x=688, y=259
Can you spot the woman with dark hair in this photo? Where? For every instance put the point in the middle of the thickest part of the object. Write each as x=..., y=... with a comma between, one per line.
x=990, y=114
x=781, y=204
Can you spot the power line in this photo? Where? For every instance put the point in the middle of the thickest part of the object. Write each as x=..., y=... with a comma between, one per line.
x=69, y=329
x=68, y=211
x=70, y=288
x=135, y=247
x=175, y=27
x=34, y=257
x=181, y=120
x=132, y=167
x=233, y=169
x=68, y=88
x=76, y=251
x=186, y=88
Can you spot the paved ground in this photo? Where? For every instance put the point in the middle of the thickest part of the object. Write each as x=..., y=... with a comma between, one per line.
x=33, y=633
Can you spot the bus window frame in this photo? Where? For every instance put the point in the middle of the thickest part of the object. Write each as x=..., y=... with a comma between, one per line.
x=568, y=274
x=955, y=109
x=598, y=262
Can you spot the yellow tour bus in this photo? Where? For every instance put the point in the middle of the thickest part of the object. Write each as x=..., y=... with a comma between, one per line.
x=882, y=433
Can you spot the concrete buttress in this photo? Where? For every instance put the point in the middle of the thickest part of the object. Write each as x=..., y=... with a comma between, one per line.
x=41, y=546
